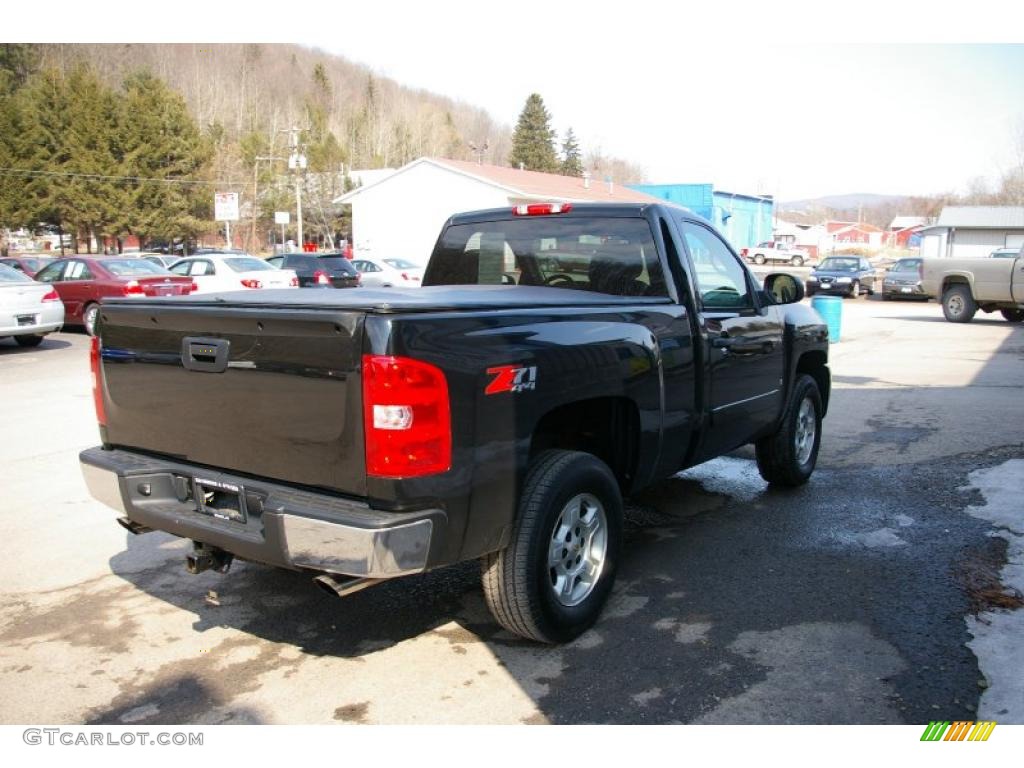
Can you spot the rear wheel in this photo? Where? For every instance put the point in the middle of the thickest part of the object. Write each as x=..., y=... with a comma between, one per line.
x=1012, y=315
x=552, y=580
x=855, y=290
x=797, y=261
x=958, y=305
x=29, y=340
x=89, y=318
x=759, y=258
x=788, y=457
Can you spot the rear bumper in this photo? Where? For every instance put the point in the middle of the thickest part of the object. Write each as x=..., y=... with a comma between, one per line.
x=283, y=526
x=46, y=318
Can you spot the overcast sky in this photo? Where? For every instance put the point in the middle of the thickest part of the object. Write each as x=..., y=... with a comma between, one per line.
x=690, y=91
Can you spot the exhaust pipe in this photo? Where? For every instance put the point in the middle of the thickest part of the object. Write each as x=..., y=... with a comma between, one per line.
x=343, y=587
x=132, y=527
x=206, y=558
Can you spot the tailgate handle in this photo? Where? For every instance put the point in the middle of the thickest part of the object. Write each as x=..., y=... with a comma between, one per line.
x=206, y=355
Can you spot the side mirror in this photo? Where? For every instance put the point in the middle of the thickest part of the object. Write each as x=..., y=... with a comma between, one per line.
x=783, y=288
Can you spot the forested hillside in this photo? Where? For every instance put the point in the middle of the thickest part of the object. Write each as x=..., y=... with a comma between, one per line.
x=76, y=120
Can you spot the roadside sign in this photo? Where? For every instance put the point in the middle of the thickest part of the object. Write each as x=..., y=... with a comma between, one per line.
x=282, y=217
x=225, y=206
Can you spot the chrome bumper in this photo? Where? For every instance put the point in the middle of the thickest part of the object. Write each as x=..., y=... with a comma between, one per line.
x=291, y=529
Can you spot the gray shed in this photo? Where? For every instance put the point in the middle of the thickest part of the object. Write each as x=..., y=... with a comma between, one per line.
x=965, y=231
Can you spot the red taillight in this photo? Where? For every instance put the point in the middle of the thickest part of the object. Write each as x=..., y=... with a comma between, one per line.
x=97, y=381
x=251, y=283
x=294, y=283
x=406, y=417
x=51, y=296
x=321, y=277
x=405, y=276
x=744, y=252
x=194, y=288
x=132, y=288
x=541, y=209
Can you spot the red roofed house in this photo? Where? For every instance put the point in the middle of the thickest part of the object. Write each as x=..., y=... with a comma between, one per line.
x=852, y=232
x=401, y=214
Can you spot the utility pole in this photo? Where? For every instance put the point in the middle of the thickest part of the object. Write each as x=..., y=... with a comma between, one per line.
x=297, y=163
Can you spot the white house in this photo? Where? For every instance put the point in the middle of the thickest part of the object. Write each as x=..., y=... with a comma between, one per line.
x=402, y=213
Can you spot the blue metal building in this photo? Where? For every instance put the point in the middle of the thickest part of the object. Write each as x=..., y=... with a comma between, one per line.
x=745, y=220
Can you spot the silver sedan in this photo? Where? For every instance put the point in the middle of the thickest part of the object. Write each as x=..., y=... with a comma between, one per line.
x=28, y=310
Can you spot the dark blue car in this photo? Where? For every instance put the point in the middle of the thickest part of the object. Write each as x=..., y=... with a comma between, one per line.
x=843, y=276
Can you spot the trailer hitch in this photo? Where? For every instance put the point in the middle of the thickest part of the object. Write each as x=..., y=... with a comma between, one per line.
x=207, y=558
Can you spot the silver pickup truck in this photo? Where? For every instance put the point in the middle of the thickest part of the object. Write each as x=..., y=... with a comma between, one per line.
x=966, y=285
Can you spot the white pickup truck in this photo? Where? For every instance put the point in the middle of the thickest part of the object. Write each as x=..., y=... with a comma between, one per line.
x=775, y=251
x=966, y=285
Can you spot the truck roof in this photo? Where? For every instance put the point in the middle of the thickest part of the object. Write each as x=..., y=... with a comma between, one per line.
x=617, y=210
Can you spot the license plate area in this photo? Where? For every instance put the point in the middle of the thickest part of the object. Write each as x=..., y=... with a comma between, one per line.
x=225, y=501
x=24, y=320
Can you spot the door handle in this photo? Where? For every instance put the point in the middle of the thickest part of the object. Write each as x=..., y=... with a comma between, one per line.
x=743, y=347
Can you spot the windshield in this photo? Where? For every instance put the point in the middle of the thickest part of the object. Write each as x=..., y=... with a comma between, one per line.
x=248, y=264
x=401, y=264
x=8, y=275
x=602, y=254
x=133, y=268
x=906, y=265
x=839, y=265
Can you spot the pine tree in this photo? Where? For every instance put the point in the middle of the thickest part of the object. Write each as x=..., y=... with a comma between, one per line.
x=533, y=141
x=572, y=162
x=162, y=141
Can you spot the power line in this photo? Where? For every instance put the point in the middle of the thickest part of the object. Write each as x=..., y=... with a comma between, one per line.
x=102, y=177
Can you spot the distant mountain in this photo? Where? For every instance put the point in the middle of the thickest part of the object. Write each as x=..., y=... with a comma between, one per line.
x=848, y=202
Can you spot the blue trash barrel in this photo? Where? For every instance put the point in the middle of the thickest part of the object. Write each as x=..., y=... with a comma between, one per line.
x=831, y=310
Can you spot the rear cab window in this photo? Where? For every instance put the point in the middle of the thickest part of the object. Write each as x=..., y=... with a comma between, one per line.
x=615, y=256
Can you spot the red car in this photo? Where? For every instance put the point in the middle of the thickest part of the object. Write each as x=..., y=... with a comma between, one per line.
x=81, y=281
x=27, y=264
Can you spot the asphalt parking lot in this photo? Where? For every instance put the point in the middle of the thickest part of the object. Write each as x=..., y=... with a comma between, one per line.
x=847, y=601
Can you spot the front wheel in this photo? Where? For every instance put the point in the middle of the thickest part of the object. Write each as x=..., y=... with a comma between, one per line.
x=1012, y=315
x=552, y=580
x=797, y=261
x=789, y=456
x=759, y=258
x=855, y=290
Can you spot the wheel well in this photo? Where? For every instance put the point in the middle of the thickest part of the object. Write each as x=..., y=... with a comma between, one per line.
x=954, y=280
x=607, y=427
x=813, y=363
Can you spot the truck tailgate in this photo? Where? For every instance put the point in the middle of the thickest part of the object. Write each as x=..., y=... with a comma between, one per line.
x=268, y=392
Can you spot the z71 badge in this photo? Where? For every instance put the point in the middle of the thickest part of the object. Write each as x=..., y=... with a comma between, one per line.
x=511, y=378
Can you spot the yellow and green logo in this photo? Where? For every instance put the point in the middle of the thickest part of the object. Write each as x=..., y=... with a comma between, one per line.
x=960, y=730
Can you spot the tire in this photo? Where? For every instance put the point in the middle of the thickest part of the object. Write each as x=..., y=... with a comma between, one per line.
x=797, y=261
x=1012, y=315
x=808, y=292
x=855, y=290
x=759, y=258
x=787, y=458
x=89, y=316
x=520, y=583
x=29, y=340
x=958, y=305
x=886, y=296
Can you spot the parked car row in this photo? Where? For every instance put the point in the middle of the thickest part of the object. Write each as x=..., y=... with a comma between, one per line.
x=77, y=284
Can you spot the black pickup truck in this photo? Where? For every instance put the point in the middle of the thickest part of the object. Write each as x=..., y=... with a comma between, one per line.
x=557, y=358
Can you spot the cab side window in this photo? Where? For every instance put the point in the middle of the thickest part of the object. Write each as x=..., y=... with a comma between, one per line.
x=721, y=279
